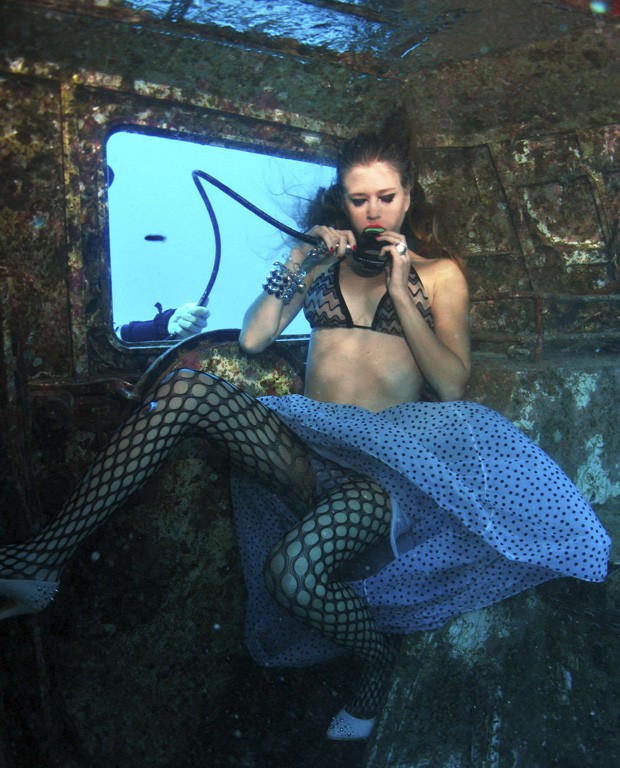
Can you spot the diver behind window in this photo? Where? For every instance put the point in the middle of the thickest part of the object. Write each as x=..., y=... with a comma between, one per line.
x=186, y=321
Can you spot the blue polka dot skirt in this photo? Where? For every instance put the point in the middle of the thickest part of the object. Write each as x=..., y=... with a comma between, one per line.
x=479, y=513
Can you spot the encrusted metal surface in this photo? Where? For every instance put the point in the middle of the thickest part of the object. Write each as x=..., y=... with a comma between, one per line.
x=396, y=36
x=516, y=110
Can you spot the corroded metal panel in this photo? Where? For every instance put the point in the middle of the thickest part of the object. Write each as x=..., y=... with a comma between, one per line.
x=465, y=184
x=525, y=683
x=151, y=620
x=557, y=213
x=564, y=206
x=32, y=214
x=564, y=245
x=118, y=54
x=398, y=36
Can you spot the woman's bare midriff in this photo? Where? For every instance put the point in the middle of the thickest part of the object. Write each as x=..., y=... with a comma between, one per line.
x=357, y=366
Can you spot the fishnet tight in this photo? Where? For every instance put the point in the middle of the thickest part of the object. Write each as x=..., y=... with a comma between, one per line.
x=298, y=573
x=252, y=435
x=345, y=523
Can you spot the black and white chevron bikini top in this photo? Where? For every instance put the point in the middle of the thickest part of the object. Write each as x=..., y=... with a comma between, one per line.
x=325, y=307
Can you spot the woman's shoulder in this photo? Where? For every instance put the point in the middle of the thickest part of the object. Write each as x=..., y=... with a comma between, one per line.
x=435, y=273
x=440, y=266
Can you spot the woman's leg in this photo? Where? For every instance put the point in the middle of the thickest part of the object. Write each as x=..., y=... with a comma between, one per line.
x=298, y=573
x=252, y=436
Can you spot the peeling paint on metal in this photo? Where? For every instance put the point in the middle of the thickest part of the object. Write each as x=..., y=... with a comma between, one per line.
x=583, y=386
x=468, y=635
x=593, y=478
x=528, y=409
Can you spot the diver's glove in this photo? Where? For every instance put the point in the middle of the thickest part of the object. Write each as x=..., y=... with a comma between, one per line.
x=188, y=320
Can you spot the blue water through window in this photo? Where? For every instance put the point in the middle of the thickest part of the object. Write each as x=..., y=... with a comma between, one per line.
x=161, y=239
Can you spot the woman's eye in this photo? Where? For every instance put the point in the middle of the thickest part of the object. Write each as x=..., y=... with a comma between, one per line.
x=387, y=198
x=358, y=202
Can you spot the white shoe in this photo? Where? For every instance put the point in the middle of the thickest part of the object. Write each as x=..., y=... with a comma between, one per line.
x=345, y=727
x=26, y=596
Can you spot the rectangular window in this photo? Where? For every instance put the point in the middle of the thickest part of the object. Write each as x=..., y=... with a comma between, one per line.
x=162, y=243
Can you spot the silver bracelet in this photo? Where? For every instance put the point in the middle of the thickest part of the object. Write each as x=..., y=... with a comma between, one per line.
x=283, y=283
x=317, y=253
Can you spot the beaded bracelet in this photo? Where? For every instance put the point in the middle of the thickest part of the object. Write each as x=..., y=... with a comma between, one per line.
x=283, y=283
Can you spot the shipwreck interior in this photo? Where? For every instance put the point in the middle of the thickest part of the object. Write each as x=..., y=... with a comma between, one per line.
x=140, y=661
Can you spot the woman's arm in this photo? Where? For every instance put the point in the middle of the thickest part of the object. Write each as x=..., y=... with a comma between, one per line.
x=268, y=316
x=442, y=354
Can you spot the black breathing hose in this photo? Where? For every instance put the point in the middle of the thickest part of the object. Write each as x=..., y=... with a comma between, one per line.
x=196, y=175
x=159, y=366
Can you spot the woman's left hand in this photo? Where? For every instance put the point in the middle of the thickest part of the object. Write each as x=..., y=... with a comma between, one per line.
x=398, y=263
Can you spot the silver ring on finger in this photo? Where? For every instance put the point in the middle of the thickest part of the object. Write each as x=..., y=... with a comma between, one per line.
x=401, y=249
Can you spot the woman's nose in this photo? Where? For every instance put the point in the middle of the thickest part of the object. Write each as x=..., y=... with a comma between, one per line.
x=372, y=211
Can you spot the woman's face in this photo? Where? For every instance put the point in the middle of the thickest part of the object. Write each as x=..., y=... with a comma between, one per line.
x=375, y=197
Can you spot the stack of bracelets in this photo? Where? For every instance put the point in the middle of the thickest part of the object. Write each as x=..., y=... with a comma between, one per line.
x=283, y=283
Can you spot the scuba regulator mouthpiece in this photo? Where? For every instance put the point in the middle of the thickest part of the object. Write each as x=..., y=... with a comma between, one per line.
x=368, y=257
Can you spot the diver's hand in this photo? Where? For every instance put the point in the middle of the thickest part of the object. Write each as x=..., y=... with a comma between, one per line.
x=188, y=320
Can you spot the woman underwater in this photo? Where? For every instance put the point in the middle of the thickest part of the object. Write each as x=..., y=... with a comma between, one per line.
x=362, y=513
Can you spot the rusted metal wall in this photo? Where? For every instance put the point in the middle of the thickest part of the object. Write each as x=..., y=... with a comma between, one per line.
x=520, y=144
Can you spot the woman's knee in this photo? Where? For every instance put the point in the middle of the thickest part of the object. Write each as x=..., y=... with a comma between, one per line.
x=289, y=577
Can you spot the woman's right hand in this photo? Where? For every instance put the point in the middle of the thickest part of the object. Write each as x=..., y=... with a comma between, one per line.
x=267, y=317
x=336, y=240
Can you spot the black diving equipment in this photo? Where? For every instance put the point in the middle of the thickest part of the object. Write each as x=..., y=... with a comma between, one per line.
x=367, y=256
x=196, y=176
